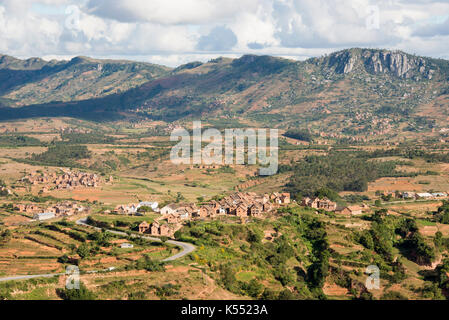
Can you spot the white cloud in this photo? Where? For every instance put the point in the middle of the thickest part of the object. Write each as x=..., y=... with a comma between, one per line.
x=170, y=12
x=25, y=32
x=174, y=31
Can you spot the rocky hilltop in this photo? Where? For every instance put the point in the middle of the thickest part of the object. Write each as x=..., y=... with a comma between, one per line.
x=395, y=63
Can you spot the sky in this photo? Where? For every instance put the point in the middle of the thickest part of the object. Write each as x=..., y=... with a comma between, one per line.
x=173, y=32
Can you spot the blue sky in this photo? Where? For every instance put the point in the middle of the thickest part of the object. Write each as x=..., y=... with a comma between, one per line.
x=173, y=32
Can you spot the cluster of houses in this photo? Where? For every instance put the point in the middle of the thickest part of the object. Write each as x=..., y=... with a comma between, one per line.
x=68, y=180
x=331, y=206
x=317, y=203
x=158, y=228
x=63, y=209
x=238, y=204
x=423, y=195
x=73, y=130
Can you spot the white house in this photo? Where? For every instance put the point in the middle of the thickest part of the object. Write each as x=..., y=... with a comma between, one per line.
x=126, y=246
x=439, y=194
x=170, y=209
x=424, y=195
x=44, y=216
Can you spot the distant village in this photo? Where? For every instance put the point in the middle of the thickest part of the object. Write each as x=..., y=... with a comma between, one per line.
x=68, y=180
x=417, y=195
x=63, y=209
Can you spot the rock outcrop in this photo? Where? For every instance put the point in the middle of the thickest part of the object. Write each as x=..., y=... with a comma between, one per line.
x=394, y=63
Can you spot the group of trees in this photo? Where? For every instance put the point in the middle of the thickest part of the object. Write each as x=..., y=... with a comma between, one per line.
x=79, y=294
x=85, y=138
x=298, y=134
x=18, y=141
x=62, y=155
x=443, y=213
x=382, y=238
x=339, y=171
x=271, y=258
x=313, y=231
x=5, y=236
x=148, y=264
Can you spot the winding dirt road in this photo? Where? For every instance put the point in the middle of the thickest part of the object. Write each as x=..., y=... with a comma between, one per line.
x=186, y=249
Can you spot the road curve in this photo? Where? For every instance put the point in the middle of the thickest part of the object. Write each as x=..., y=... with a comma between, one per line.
x=186, y=249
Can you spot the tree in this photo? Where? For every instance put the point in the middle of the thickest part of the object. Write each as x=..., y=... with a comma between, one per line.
x=101, y=238
x=228, y=278
x=438, y=240
x=286, y=295
x=327, y=193
x=145, y=209
x=443, y=213
x=393, y=295
x=83, y=251
x=5, y=236
x=255, y=236
x=149, y=264
x=253, y=288
x=64, y=259
x=383, y=239
x=366, y=239
x=269, y=294
x=76, y=294
x=421, y=251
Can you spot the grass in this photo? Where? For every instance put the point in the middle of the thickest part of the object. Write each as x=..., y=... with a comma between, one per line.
x=246, y=276
x=426, y=223
x=40, y=293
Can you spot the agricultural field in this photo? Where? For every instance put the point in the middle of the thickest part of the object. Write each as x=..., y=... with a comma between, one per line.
x=290, y=253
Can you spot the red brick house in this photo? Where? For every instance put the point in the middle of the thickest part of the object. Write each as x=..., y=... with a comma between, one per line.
x=144, y=227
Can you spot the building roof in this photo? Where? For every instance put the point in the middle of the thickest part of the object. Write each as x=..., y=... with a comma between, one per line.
x=45, y=215
x=355, y=208
x=424, y=195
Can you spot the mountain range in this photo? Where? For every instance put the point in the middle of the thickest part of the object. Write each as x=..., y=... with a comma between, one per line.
x=355, y=92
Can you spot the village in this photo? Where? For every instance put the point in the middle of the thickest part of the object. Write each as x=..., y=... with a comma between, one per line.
x=241, y=205
x=68, y=180
x=63, y=209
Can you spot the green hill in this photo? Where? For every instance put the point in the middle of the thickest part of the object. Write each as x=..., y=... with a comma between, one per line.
x=35, y=81
x=357, y=93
